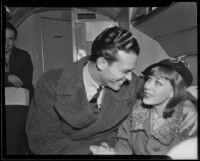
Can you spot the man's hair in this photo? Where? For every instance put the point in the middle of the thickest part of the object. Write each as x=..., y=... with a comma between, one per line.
x=110, y=41
x=177, y=83
x=11, y=27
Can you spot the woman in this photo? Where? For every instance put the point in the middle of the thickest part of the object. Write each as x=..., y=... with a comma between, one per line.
x=153, y=126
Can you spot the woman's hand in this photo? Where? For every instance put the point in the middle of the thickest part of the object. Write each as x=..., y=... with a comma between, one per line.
x=102, y=149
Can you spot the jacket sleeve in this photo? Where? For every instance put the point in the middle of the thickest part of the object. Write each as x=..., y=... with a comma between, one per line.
x=27, y=71
x=7, y=83
x=44, y=126
x=123, y=145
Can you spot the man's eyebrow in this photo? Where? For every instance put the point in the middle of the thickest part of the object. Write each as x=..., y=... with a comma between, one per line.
x=128, y=69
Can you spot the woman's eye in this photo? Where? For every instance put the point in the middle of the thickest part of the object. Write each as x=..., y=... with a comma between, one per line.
x=158, y=83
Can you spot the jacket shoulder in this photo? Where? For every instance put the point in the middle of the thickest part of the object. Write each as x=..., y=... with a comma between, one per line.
x=51, y=75
x=20, y=51
x=49, y=79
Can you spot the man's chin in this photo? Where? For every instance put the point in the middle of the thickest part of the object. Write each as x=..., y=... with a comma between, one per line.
x=115, y=88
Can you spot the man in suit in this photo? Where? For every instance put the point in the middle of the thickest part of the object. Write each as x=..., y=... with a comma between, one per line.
x=18, y=74
x=18, y=64
x=85, y=102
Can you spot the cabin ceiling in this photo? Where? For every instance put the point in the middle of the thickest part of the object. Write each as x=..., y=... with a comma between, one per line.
x=174, y=27
x=19, y=13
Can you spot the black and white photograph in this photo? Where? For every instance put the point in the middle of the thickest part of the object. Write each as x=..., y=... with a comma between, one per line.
x=99, y=82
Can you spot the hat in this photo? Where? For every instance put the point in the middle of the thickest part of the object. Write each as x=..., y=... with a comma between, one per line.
x=176, y=64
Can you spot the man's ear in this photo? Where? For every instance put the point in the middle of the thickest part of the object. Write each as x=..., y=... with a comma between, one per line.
x=101, y=63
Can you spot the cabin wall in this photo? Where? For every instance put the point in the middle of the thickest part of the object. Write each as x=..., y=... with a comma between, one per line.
x=82, y=33
x=150, y=50
x=86, y=30
x=26, y=39
x=30, y=38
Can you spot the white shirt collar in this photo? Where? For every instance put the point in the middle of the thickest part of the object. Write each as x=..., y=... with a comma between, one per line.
x=90, y=85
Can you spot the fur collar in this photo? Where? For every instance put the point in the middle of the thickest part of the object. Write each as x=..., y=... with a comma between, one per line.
x=166, y=133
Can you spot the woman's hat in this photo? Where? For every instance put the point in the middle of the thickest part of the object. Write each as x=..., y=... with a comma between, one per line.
x=178, y=64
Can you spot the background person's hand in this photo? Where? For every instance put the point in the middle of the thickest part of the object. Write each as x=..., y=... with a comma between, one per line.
x=190, y=120
x=16, y=81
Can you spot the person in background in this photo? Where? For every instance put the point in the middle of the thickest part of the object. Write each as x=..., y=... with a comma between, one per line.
x=18, y=64
x=153, y=126
x=18, y=74
x=85, y=102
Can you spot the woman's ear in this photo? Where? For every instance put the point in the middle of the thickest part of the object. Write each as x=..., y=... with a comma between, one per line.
x=101, y=63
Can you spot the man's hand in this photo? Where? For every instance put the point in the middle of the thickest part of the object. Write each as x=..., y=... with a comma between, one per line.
x=190, y=120
x=16, y=81
x=102, y=149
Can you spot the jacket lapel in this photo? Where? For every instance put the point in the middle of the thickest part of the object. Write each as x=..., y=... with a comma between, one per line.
x=71, y=103
x=114, y=109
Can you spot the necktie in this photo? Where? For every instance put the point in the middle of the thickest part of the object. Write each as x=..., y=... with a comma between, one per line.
x=95, y=97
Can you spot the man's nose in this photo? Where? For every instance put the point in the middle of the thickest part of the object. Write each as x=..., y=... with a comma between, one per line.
x=129, y=76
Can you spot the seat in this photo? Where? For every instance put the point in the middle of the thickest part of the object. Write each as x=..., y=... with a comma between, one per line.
x=16, y=109
x=16, y=96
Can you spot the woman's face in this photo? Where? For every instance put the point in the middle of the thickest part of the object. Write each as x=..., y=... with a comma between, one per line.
x=157, y=91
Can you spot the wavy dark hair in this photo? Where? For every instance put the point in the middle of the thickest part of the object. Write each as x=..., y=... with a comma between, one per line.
x=110, y=41
x=178, y=85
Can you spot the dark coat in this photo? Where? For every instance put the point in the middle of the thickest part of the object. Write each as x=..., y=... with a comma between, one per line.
x=60, y=119
x=20, y=64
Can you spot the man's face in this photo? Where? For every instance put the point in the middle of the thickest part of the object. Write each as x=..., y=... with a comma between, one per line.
x=9, y=41
x=115, y=74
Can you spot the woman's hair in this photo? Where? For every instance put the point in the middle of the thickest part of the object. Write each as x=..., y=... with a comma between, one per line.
x=177, y=83
x=107, y=44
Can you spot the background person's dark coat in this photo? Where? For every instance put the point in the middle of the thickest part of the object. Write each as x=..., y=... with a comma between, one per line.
x=20, y=64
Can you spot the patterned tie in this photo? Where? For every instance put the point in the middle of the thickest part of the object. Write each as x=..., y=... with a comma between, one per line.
x=95, y=97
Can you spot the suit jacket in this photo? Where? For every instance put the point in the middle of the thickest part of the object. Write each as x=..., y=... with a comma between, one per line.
x=20, y=64
x=60, y=119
